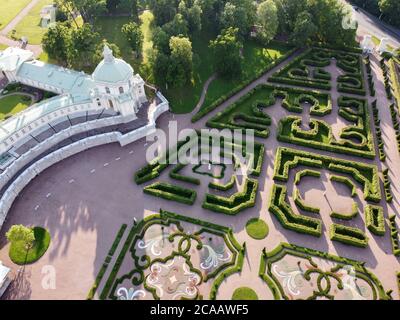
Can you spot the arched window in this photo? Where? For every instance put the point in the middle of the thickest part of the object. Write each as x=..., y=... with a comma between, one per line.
x=121, y=90
x=111, y=104
x=108, y=90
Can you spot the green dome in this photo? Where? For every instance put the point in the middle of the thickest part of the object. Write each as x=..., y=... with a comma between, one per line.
x=112, y=70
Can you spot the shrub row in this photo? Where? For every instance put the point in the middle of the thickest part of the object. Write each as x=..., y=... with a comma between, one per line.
x=205, y=110
x=236, y=203
x=387, y=186
x=306, y=172
x=346, y=181
x=394, y=235
x=388, y=87
x=371, y=83
x=394, y=68
x=171, y=192
x=108, y=259
x=223, y=187
x=375, y=220
x=300, y=203
x=396, y=124
x=288, y=219
x=175, y=174
x=348, y=235
x=289, y=130
x=367, y=175
x=196, y=168
x=346, y=216
x=378, y=131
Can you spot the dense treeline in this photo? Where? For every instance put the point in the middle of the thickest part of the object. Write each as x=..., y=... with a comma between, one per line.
x=387, y=10
x=176, y=22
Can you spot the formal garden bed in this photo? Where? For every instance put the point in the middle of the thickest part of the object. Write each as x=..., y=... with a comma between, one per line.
x=244, y=293
x=308, y=70
x=292, y=273
x=196, y=255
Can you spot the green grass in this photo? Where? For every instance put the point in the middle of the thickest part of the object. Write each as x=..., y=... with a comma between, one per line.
x=110, y=29
x=183, y=100
x=30, y=27
x=11, y=105
x=377, y=42
x=256, y=59
x=19, y=254
x=9, y=10
x=244, y=293
x=3, y=47
x=257, y=229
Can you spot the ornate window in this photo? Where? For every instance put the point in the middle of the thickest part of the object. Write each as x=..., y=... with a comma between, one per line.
x=108, y=90
x=121, y=90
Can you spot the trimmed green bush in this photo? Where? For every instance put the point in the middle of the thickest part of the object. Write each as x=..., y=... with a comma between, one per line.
x=222, y=187
x=175, y=174
x=304, y=173
x=300, y=203
x=288, y=219
x=375, y=220
x=346, y=181
x=244, y=293
x=367, y=175
x=171, y=192
x=346, y=216
x=394, y=235
x=257, y=229
x=236, y=203
x=348, y=235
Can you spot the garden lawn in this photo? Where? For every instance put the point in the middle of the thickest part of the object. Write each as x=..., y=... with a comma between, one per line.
x=257, y=229
x=30, y=25
x=256, y=60
x=9, y=10
x=110, y=29
x=3, y=47
x=19, y=254
x=10, y=105
x=244, y=293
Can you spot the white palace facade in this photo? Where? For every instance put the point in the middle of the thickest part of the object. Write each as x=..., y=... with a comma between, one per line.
x=87, y=111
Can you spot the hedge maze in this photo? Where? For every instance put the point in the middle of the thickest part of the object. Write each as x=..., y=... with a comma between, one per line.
x=349, y=173
x=293, y=273
x=307, y=70
x=336, y=147
x=172, y=257
x=244, y=192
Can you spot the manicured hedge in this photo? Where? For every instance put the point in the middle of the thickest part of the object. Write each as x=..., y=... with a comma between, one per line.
x=346, y=216
x=348, y=235
x=387, y=186
x=394, y=235
x=304, y=173
x=395, y=79
x=346, y=181
x=288, y=219
x=300, y=203
x=171, y=192
x=223, y=187
x=375, y=220
x=367, y=175
x=175, y=174
x=104, y=266
x=351, y=109
x=378, y=131
x=236, y=203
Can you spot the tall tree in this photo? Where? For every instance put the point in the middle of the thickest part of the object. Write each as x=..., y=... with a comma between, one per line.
x=83, y=47
x=391, y=11
x=134, y=35
x=89, y=9
x=181, y=62
x=178, y=26
x=56, y=42
x=304, y=30
x=238, y=14
x=267, y=16
x=164, y=10
x=227, y=53
x=20, y=233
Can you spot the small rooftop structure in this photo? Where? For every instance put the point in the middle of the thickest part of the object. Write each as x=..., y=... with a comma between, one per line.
x=384, y=46
x=48, y=15
x=367, y=44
